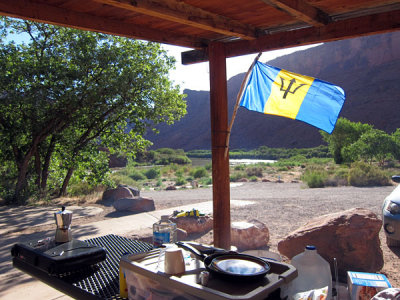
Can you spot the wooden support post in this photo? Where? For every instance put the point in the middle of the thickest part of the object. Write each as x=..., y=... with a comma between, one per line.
x=220, y=157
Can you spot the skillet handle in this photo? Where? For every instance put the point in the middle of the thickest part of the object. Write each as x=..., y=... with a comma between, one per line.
x=191, y=249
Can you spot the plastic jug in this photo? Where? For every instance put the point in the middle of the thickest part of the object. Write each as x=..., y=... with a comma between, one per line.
x=164, y=231
x=314, y=272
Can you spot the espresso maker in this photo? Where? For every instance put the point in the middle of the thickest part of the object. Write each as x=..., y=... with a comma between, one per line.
x=63, y=222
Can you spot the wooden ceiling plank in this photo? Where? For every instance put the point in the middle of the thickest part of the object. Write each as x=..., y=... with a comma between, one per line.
x=350, y=28
x=53, y=15
x=301, y=11
x=182, y=13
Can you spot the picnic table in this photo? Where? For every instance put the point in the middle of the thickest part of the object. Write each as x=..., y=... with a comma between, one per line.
x=101, y=282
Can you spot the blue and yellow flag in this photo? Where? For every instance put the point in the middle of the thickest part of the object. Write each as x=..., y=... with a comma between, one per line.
x=274, y=91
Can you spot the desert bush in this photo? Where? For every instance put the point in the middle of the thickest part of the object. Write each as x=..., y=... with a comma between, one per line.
x=208, y=166
x=206, y=180
x=81, y=188
x=253, y=178
x=314, y=178
x=237, y=175
x=239, y=167
x=282, y=169
x=363, y=174
x=199, y=172
x=137, y=175
x=180, y=181
x=254, y=171
x=152, y=173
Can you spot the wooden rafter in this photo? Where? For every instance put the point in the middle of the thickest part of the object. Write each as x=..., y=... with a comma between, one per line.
x=54, y=15
x=301, y=11
x=366, y=25
x=182, y=13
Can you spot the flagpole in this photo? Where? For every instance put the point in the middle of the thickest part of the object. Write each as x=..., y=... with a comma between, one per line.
x=238, y=98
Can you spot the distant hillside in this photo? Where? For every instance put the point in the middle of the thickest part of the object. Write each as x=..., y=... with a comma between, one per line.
x=366, y=68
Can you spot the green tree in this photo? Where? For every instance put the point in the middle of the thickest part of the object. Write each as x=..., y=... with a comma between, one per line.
x=373, y=144
x=344, y=134
x=70, y=91
x=396, y=137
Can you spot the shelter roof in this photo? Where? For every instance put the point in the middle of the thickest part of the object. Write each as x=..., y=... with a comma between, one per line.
x=244, y=26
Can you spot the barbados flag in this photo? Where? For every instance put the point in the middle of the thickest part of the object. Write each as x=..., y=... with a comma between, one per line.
x=274, y=91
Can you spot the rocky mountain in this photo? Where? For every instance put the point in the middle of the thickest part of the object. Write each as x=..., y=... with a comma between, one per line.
x=367, y=68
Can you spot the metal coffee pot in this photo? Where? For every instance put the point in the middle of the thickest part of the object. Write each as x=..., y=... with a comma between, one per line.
x=63, y=221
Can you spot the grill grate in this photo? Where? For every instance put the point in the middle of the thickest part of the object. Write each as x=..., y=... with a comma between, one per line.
x=103, y=280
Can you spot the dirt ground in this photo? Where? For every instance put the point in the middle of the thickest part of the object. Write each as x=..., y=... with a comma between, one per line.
x=283, y=207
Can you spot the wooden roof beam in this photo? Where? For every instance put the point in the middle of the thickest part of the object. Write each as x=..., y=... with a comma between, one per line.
x=28, y=10
x=350, y=28
x=301, y=11
x=182, y=13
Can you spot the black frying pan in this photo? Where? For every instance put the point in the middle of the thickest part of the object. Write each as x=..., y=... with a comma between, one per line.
x=230, y=265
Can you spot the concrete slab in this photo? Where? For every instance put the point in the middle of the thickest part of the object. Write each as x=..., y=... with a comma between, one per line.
x=14, y=219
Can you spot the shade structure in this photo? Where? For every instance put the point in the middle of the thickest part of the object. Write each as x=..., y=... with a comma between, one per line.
x=216, y=30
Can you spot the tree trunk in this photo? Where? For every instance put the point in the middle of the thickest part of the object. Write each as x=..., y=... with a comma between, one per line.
x=21, y=182
x=46, y=164
x=38, y=170
x=63, y=191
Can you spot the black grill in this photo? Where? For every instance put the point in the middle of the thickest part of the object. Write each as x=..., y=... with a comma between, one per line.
x=103, y=280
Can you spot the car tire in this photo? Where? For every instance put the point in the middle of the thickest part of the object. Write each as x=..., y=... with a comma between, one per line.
x=392, y=243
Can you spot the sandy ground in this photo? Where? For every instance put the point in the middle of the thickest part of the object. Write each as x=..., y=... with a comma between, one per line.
x=283, y=207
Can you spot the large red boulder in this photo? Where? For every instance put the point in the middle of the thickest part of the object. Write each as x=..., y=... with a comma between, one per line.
x=351, y=236
x=136, y=205
x=249, y=235
x=120, y=192
x=193, y=224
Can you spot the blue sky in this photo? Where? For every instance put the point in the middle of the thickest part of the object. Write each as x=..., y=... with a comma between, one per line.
x=196, y=76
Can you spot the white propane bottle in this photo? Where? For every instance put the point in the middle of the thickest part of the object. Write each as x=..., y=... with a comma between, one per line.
x=314, y=272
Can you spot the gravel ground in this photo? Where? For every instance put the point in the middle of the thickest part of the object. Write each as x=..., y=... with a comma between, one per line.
x=284, y=207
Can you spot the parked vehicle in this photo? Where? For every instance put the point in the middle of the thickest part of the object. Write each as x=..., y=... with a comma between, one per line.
x=391, y=215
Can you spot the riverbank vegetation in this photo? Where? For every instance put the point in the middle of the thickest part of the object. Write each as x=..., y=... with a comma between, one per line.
x=314, y=172
x=173, y=169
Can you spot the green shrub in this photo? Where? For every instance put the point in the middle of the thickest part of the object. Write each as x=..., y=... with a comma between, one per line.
x=237, y=176
x=81, y=188
x=152, y=173
x=199, y=172
x=253, y=178
x=180, y=181
x=363, y=174
x=206, y=181
x=136, y=175
x=282, y=169
x=254, y=171
x=179, y=173
x=314, y=179
x=239, y=167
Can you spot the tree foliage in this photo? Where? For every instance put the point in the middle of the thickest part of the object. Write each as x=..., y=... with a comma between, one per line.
x=344, y=134
x=373, y=144
x=65, y=92
x=353, y=141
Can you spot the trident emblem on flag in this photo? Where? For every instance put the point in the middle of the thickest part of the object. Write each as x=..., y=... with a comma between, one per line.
x=291, y=83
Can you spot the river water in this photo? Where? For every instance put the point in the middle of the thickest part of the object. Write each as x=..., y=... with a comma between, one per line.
x=204, y=161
